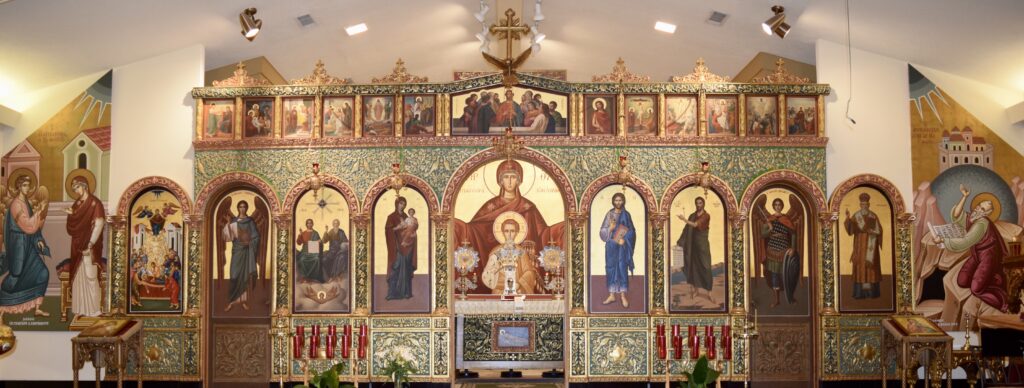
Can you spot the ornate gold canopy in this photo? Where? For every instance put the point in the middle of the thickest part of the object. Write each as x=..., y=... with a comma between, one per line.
x=701, y=74
x=241, y=78
x=780, y=76
x=621, y=74
x=319, y=77
x=399, y=75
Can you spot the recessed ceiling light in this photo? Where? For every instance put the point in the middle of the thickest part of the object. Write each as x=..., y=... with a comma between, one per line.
x=356, y=29
x=665, y=27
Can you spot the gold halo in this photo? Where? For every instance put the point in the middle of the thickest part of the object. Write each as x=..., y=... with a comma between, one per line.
x=518, y=218
x=593, y=104
x=17, y=174
x=79, y=172
x=997, y=208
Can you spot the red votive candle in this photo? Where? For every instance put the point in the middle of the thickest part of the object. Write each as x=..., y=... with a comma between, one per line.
x=347, y=330
x=677, y=347
x=709, y=343
x=726, y=342
x=662, y=352
x=300, y=331
x=661, y=329
x=694, y=347
x=675, y=330
x=691, y=331
x=312, y=345
x=296, y=347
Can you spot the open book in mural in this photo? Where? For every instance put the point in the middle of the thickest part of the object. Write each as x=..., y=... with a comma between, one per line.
x=967, y=201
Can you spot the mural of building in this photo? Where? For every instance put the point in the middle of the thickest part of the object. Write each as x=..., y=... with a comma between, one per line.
x=90, y=150
x=960, y=147
x=23, y=156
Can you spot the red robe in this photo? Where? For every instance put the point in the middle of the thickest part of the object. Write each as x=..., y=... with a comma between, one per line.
x=83, y=212
x=480, y=235
x=983, y=271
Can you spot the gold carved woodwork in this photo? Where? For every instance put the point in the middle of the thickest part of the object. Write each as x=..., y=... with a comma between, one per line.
x=241, y=353
x=621, y=74
x=782, y=352
x=780, y=76
x=241, y=78
x=701, y=74
x=319, y=77
x=399, y=75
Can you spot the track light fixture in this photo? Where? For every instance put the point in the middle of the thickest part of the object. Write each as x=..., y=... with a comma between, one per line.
x=777, y=23
x=250, y=24
x=537, y=15
x=484, y=8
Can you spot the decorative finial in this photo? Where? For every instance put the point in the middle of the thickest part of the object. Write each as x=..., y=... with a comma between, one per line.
x=701, y=74
x=780, y=76
x=395, y=182
x=509, y=145
x=705, y=177
x=623, y=175
x=314, y=182
x=240, y=78
x=621, y=74
x=399, y=75
x=319, y=77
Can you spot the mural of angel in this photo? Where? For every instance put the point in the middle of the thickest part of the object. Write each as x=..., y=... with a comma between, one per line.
x=248, y=253
x=778, y=245
x=24, y=272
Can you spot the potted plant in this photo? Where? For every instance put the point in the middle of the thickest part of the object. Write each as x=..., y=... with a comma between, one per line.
x=328, y=378
x=399, y=369
x=702, y=375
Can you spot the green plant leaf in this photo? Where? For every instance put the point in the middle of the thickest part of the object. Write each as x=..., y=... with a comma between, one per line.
x=712, y=375
x=330, y=379
x=700, y=371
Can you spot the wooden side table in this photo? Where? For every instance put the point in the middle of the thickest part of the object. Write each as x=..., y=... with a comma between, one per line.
x=111, y=344
x=910, y=337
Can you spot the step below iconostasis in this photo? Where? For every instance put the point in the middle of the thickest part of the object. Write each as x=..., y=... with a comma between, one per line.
x=616, y=210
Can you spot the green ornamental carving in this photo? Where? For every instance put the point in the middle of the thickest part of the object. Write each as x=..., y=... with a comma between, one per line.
x=618, y=353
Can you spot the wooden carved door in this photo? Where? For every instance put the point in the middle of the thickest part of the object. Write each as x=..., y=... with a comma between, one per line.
x=783, y=288
x=239, y=290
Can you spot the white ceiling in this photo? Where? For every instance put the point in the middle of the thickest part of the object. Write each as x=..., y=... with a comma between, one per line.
x=43, y=42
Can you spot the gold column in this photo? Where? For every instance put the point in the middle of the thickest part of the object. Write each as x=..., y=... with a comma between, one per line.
x=318, y=116
x=278, y=129
x=357, y=121
x=783, y=128
x=658, y=263
x=702, y=126
x=239, y=108
x=362, y=270
x=399, y=115
x=578, y=266
x=661, y=114
x=200, y=125
x=741, y=108
x=829, y=267
x=442, y=263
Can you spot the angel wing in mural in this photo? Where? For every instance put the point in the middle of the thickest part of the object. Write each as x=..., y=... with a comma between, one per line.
x=261, y=215
x=778, y=244
x=791, y=265
x=758, y=221
x=224, y=217
x=169, y=209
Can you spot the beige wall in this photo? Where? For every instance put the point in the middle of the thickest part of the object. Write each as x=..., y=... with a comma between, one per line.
x=880, y=141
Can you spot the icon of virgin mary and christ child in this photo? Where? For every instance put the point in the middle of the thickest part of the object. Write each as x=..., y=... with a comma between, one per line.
x=508, y=230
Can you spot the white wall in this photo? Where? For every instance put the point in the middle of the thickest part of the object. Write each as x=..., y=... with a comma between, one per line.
x=152, y=119
x=880, y=141
x=151, y=134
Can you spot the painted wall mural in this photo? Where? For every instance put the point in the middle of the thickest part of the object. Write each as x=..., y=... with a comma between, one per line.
x=156, y=270
x=242, y=246
x=618, y=251
x=322, y=253
x=779, y=242
x=697, y=237
x=401, y=253
x=528, y=111
x=865, y=251
x=967, y=202
x=53, y=272
x=508, y=211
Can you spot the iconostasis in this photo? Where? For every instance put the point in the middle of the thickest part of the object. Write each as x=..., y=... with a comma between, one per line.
x=553, y=224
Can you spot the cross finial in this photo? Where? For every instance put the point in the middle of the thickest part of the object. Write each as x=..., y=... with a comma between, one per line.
x=509, y=144
x=509, y=29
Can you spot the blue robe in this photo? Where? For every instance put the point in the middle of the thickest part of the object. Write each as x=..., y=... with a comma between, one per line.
x=618, y=259
x=27, y=276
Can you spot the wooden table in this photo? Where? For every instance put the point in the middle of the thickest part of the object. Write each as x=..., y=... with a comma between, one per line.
x=909, y=345
x=111, y=344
